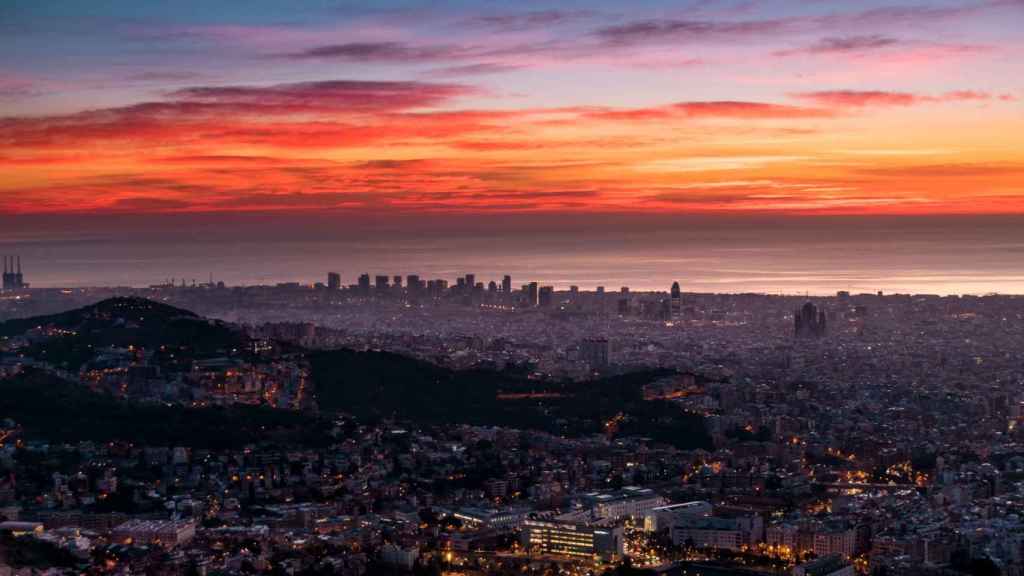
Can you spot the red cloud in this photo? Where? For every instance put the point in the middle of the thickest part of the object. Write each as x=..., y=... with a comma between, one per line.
x=352, y=112
x=328, y=96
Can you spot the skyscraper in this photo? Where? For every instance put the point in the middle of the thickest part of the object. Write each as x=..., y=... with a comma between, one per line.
x=506, y=284
x=677, y=299
x=532, y=294
x=364, y=285
x=381, y=283
x=809, y=321
x=333, y=281
x=546, y=296
x=413, y=284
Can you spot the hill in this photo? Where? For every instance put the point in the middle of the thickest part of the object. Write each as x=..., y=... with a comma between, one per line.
x=71, y=338
x=369, y=385
x=382, y=384
x=53, y=409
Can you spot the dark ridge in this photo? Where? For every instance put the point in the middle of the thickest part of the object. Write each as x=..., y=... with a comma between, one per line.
x=375, y=385
x=70, y=338
x=56, y=410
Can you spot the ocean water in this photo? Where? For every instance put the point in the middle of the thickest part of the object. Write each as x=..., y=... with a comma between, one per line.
x=950, y=255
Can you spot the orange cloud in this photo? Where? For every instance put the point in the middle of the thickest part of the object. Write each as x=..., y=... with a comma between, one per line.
x=404, y=146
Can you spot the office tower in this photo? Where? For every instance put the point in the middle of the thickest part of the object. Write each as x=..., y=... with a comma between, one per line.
x=364, y=285
x=595, y=352
x=676, y=299
x=624, y=290
x=470, y=281
x=574, y=292
x=381, y=283
x=492, y=286
x=506, y=284
x=396, y=281
x=600, y=290
x=460, y=285
x=532, y=296
x=546, y=296
x=412, y=283
x=573, y=540
x=333, y=281
x=809, y=321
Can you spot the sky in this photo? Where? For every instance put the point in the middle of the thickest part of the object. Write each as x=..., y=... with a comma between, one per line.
x=401, y=110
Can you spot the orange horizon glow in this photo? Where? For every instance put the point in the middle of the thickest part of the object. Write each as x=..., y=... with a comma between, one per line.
x=816, y=131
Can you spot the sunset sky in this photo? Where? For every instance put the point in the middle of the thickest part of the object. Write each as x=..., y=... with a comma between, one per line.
x=385, y=107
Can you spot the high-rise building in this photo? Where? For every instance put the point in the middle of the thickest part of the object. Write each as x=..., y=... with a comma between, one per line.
x=470, y=281
x=396, y=281
x=546, y=296
x=676, y=299
x=333, y=281
x=364, y=285
x=809, y=321
x=532, y=295
x=492, y=286
x=506, y=284
x=381, y=283
x=412, y=283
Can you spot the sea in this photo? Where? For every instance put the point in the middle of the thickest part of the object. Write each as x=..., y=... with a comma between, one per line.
x=792, y=255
